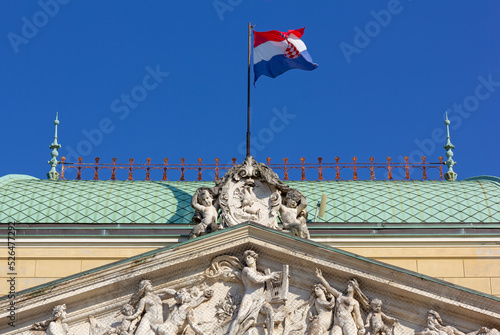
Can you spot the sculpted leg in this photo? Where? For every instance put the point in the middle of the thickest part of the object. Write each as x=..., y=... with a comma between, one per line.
x=267, y=309
x=336, y=330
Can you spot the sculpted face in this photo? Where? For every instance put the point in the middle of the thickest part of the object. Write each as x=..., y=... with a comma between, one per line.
x=249, y=260
x=127, y=310
x=377, y=307
x=60, y=312
x=206, y=199
x=431, y=319
x=182, y=297
x=292, y=200
x=318, y=291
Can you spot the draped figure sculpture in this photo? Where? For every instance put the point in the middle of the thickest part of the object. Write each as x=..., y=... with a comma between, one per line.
x=254, y=300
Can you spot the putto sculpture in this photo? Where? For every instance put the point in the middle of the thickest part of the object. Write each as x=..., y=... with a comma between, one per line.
x=376, y=321
x=205, y=217
x=252, y=192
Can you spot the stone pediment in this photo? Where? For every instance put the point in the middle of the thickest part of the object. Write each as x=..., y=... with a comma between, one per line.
x=214, y=285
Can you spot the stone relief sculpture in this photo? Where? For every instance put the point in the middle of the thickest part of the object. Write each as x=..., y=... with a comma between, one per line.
x=254, y=301
x=252, y=192
x=126, y=327
x=435, y=326
x=376, y=320
x=55, y=325
x=148, y=307
x=347, y=320
x=294, y=215
x=320, y=315
x=182, y=313
x=206, y=215
x=265, y=294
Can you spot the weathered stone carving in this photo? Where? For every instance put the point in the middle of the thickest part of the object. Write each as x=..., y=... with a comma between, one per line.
x=254, y=301
x=126, y=327
x=206, y=215
x=435, y=326
x=225, y=309
x=376, y=320
x=347, y=320
x=250, y=191
x=182, y=313
x=149, y=312
x=55, y=325
x=251, y=302
x=265, y=294
x=320, y=314
x=293, y=213
x=148, y=307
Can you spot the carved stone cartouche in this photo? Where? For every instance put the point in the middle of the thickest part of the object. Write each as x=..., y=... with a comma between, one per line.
x=252, y=192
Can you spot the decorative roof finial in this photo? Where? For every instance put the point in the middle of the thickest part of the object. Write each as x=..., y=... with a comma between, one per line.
x=53, y=174
x=450, y=175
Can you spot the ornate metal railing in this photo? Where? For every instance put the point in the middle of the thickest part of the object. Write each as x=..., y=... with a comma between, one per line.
x=287, y=171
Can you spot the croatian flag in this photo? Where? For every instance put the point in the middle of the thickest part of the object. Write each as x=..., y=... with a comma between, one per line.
x=275, y=52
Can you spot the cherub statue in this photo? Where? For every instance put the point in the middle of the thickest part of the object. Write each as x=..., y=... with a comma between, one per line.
x=126, y=327
x=375, y=321
x=55, y=325
x=293, y=213
x=182, y=313
x=206, y=213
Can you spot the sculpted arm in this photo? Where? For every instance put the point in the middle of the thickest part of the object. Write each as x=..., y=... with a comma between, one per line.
x=195, y=204
x=139, y=310
x=301, y=206
x=191, y=321
x=323, y=281
x=388, y=319
x=368, y=320
x=358, y=319
x=167, y=291
x=256, y=277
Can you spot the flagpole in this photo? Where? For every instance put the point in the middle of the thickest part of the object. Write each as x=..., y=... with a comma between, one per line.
x=248, y=88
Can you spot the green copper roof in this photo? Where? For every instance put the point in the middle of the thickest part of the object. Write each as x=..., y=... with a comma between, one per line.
x=29, y=200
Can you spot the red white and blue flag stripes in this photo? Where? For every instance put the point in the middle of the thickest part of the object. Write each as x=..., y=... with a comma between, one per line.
x=275, y=52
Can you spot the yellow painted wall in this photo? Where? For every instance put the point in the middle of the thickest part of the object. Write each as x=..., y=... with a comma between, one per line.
x=477, y=268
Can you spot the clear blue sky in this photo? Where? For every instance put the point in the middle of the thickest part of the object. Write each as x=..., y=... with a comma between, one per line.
x=388, y=70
